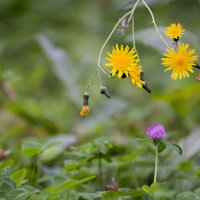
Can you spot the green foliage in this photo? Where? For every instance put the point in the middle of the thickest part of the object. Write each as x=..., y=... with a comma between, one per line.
x=19, y=176
x=48, y=50
x=115, y=195
x=189, y=195
x=31, y=148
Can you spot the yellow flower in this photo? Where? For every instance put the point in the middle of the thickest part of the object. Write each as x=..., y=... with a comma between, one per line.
x=174, y=31
x=121, y=59
x=84, y=111
x=135, y=75
x=180, y=61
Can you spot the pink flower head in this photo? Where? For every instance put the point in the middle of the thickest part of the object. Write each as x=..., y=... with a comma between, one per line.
x=156, y=132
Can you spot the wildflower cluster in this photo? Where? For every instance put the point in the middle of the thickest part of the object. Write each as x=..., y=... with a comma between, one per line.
x=180, y=59
x=123, y=61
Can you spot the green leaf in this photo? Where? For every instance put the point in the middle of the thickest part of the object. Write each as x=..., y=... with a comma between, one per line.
x=85, y=180
x=154, y=187
x=109, y=195
x=133, y=193
x=71, y=165
x=19, y=176
x=73, y=183
x=6, y=185
x=187, y=196
x=131, y=157
x=6, y=163
x=68, y=184
x=141, y=140
x=23, y=192
x=197, y=192
x=161, y=146
x=146, y=188
x=89, y=196
x=175, y=147
x=186, y=166
x=50, y=145
x=31, y=148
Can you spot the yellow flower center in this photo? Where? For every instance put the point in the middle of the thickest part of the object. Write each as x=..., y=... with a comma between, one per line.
x=122, y=61
x=180, y=61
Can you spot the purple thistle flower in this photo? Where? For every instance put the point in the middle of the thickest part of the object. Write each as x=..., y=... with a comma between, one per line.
x=156, y=132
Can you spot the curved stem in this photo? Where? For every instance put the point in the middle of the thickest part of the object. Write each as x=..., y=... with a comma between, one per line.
x=89, y=83
x=133, y=34
x=154, y=23
x=131, y=15
x=99, y=75
x=113, y=30
x=156, y=165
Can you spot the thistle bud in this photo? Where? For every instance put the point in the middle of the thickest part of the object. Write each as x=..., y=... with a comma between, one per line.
x=111, y=186
x=104, y=91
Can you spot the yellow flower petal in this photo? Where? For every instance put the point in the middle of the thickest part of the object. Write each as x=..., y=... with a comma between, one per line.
x=180, y=61
x=121, y=59
x=85, y=111
x=174, y=31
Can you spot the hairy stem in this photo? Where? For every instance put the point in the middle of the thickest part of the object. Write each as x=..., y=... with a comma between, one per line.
x=154, y=23
x=156, y=165
x=113, y=30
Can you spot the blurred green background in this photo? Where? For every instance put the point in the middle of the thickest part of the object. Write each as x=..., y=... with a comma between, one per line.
x=48, y=52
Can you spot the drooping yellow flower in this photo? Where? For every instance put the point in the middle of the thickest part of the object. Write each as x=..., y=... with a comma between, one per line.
x=121, y=59
x=174, y=31
x=180, y=61
x=85, y=111
x=135, y=75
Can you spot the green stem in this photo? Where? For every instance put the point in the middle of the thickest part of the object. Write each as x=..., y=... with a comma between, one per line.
x=34, y=171
x=100, y=172
x=154, y=23
x=89, y=83
x=113, y=30
x=99, y=75
x=156, y=165
x=133, y=34
x=68, y=194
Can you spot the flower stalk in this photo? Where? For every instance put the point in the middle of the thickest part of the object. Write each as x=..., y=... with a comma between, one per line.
x=156, y=164
x=113, y=30
x=154, y=23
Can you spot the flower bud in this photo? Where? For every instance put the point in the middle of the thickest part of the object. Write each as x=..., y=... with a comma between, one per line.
x=111, y=186
x=84, y=111
x=104, y=91
x=124, y=23
x=145, y=85
x=85, y=99
x=197, y=66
